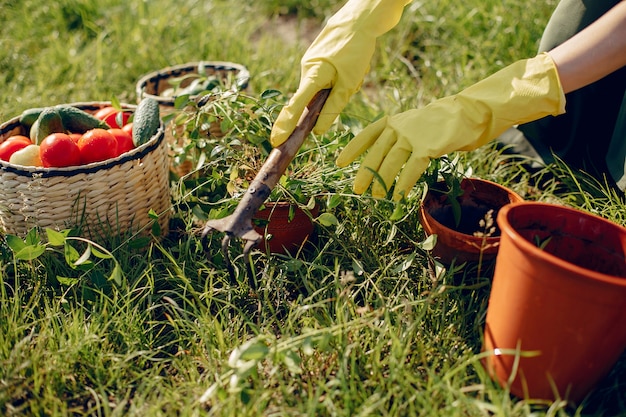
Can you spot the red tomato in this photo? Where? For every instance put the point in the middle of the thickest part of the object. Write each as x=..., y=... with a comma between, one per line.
x=59, y=150
x=97, y=145
x=124, y=140
x=20, y=138
x=128, y=128
x=75, y=136
x=13, y=144
x=110, y=116
x=104, y=112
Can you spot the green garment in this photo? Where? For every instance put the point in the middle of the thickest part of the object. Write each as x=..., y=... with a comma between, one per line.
x=591, y=135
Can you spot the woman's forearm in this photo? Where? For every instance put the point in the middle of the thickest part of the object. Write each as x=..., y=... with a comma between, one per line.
x=594, y=52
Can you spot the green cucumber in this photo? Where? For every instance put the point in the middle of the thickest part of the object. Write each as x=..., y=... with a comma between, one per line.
x=29, y=116
x=48, y=122
x=76, y=120
x=146, y=120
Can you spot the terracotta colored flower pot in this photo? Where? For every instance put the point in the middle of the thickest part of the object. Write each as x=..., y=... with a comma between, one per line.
x=458, y=242
x=559, y=290
x=284, y=226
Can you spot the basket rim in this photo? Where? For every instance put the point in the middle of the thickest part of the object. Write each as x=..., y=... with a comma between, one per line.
x=137, y=153
x=242, y=79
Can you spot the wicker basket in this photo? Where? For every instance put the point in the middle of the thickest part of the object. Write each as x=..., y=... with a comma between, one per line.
x=104, y=198
x=155, y=83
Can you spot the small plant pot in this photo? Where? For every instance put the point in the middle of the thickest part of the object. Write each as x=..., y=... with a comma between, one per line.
x=285, y=227
x=457, y=243
x=558, y=298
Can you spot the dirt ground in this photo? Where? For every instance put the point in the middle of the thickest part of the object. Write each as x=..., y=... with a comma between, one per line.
x=291, y=30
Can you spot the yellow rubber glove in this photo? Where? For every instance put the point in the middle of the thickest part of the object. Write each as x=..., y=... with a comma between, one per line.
x=339, y=58
x=405, y=143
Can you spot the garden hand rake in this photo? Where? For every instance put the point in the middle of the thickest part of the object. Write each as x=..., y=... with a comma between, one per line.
x=239, y=224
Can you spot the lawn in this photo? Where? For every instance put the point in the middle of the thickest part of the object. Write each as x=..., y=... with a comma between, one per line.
x=362, y=322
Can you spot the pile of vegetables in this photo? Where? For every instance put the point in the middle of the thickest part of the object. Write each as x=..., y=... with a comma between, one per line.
x=64, y=136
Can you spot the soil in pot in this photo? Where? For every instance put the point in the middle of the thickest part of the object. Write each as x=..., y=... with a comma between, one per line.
x=580, y=251
x=469, y=240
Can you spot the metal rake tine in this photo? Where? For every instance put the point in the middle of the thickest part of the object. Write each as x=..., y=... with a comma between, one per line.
x=206, y=231
x=239, y=224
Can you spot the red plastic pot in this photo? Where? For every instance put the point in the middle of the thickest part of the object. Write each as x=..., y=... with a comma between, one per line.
x=559, y=291
x=457, y=243
x=285, y=227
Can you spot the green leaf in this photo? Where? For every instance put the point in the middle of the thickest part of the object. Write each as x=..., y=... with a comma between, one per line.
x=156, y=228
x=76, y=260
x=32, y=237
x=405, y=264
x=56, y=238
x=267, y=94
x=429, y=243
x=166, y=119
x=119, y=118
x=199, y=213
x=181, y=101
x=15, y=243
x=115, y=102
x=30, y=252
x=244, y=395
x=292, y=212
x=334, y=201
x=328, y=219
x=293, y=265
x=139, y=242
x=100, y=254
x=67, y=280
x=117, y=275
x=455, y=192
x=456, y=211
x=357, y=267
x=398, y=212
x=71, y=254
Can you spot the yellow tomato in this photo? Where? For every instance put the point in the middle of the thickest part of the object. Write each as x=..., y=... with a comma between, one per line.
x=28, y=156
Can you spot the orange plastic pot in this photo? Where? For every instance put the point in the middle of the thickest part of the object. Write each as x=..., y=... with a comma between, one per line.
x=285, y=227
x=558, y=298
x=457, y=242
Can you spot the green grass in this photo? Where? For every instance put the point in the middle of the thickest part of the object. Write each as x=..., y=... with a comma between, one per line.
x=358, y=324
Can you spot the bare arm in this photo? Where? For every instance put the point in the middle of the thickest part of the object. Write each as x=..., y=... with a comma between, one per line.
x=594, y=52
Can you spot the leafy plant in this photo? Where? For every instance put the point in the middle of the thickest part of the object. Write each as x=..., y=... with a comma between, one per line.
x=444, y=175
x=84, y=260
x=224, y=135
